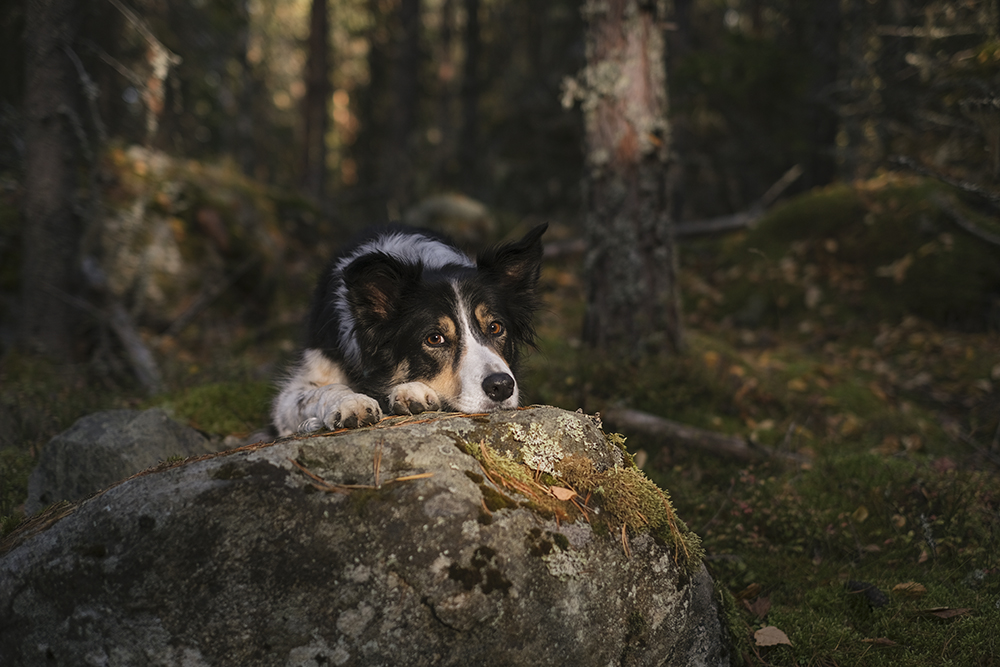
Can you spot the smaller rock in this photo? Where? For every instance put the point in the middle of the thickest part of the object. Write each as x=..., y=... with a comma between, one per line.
x=107, y=447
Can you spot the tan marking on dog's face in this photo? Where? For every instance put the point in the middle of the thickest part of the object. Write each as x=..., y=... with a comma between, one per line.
x=446, y=383
x=485, y=319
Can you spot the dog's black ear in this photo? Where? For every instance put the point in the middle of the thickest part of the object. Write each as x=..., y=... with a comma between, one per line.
x=375, y=283
x=516, y=265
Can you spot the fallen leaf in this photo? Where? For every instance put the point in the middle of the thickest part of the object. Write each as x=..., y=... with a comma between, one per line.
x=910, y=589
x=561, y=493
x=770, y=636
x=797, y=384
x=860, y=514
x=759, y=607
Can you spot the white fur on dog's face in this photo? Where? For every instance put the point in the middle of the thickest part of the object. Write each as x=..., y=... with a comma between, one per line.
x=478, y=361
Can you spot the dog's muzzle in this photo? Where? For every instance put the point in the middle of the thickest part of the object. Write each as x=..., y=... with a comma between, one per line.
x=498, y=386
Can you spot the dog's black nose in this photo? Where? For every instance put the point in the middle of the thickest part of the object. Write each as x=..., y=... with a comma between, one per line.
x=498, y=386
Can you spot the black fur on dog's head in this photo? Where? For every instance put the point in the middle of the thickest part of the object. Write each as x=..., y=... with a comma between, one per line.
x=450, y=327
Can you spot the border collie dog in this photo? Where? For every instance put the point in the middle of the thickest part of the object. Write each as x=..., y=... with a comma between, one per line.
x=402, y=322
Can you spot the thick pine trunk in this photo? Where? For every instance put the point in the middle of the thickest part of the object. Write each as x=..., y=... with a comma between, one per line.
x=633, y=303
x=52, y=230
x=316, y=103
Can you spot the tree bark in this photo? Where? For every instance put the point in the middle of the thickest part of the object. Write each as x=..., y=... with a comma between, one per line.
x=315, y=106
x=467, y=145
x=821, y=167
x=52, y=230
x=633, y=302
x=397, y=155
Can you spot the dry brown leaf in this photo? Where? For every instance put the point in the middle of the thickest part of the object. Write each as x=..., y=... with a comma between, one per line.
x=860, y=514
x=759, y=607
x=770, y=636
x=750, y=591
x=910, y=589
x=562, y=493
x=797, y=384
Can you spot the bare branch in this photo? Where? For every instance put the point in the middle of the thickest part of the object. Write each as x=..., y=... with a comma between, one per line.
x=956, y=216
x=693, y=438
x=742, y=219
x=91, y=92
x=911, y=164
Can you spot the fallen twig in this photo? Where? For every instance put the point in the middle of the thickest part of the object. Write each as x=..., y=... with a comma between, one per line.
x=691, y=437
x=323, y=485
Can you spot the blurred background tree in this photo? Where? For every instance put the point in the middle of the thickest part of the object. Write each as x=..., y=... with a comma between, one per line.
x=461, y=101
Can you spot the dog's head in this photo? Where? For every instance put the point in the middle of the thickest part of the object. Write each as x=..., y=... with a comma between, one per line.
x=459, y=330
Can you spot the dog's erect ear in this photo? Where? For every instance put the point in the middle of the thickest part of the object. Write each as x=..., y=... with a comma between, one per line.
x=516, y=265
x=374, y=284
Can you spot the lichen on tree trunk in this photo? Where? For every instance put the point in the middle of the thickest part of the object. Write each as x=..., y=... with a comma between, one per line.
x=633, y=303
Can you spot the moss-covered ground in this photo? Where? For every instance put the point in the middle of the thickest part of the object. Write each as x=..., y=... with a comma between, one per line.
x=855, y=326
x=858, y=328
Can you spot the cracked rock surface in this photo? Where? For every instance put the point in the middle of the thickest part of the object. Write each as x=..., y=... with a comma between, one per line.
x=239, y=559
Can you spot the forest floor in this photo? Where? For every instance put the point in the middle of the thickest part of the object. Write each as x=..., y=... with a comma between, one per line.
x=851, y=329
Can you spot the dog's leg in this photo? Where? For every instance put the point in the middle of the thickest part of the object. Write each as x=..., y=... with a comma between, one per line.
x=316, y=395
x=411, y=398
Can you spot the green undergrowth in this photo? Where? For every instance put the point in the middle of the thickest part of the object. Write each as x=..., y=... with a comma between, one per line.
x=879, y=249
x=617, y=502
x=39, y=399
x=854, y=334
x=227, y=408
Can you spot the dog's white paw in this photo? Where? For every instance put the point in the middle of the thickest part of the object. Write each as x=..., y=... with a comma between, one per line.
x=310, y=425
x=353, y=411
x=411, y=398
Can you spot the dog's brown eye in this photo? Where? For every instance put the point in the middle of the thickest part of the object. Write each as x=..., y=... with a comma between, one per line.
x=435, y=340
x=496, y=328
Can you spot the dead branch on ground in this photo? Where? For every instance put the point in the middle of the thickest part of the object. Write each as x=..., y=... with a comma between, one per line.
x=694, y=438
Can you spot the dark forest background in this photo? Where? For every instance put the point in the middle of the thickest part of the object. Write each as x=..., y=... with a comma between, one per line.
x=174, y=174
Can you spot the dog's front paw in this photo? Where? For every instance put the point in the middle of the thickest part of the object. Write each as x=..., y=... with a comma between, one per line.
x=410, y=398
x=353, y=411
x=310, y=425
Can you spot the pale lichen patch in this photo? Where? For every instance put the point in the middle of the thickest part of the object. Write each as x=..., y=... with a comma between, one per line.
x=538, y=450
x=565, y=565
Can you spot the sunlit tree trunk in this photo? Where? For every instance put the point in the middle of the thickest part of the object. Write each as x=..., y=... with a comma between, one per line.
x=50, y=275
x=317, y=100
x=633, y=304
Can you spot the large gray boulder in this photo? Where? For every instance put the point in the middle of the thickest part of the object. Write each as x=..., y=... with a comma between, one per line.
x=106, y=447
x=431, y=540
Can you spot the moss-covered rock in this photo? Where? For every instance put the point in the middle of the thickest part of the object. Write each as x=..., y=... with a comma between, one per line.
x=373, y=546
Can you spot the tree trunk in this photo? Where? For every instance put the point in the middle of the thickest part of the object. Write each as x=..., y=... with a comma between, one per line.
x=633, y=303
x=397, y=155
x=824, y=121
x=52, y=231
x=468, y=153
x=315, y=105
